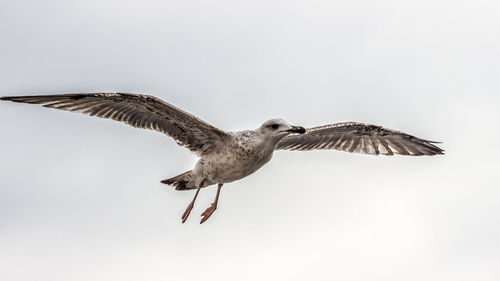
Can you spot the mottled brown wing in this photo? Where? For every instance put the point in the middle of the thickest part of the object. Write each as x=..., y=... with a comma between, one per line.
x=139, y=111
x=359, y=137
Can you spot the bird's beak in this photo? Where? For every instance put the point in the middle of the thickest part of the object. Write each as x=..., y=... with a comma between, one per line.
x=297, y=129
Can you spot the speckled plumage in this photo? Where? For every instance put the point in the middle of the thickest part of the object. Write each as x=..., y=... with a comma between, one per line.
x=225, y=156
x=244, y=154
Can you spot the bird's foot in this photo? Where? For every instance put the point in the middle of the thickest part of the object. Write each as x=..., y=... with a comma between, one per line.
x=208, y=212
x=187, y=212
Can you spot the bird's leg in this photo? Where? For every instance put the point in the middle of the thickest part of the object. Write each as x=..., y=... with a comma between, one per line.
x=208, y=212
x=191, y=205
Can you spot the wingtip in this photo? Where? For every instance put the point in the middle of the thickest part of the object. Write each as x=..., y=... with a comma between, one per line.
x=439, y=151
x=13, y=98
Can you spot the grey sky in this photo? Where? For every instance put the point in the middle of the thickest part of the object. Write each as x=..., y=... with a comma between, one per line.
x=81, y=198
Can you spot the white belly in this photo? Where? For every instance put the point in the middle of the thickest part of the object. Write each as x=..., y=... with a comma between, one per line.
x=223, y=169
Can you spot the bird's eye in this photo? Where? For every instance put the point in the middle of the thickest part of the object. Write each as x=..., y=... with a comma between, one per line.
x=275, y=126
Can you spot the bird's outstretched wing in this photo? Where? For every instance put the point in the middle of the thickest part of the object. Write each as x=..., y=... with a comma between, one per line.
x=139, y=111
x=359, y=137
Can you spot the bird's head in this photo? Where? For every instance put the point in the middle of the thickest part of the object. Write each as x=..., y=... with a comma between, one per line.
x=279, y=128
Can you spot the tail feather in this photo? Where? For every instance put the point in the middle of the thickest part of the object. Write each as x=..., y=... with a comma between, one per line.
x=181, y=182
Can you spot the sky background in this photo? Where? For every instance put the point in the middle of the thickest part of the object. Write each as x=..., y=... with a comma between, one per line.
x=81, y=198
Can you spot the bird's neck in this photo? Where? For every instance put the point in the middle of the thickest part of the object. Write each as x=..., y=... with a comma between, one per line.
x=269, y=143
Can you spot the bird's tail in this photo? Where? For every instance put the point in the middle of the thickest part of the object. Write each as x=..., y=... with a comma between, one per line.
x=183, y=181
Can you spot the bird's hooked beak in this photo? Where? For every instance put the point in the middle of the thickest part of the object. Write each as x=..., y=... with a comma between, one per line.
x=297, y=129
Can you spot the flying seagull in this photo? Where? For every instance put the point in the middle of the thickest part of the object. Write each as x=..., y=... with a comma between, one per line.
x=229, y=156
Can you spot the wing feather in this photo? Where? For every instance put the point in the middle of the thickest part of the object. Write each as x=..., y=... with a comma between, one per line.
x=360, y=137
x=141, y=111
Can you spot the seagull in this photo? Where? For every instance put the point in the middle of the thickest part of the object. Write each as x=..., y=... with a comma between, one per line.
x=229, y=156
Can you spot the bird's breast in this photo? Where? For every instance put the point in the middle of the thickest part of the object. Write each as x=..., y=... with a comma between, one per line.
x=235, y=162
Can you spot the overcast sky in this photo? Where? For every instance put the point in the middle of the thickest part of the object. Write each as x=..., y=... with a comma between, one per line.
x=81, y=198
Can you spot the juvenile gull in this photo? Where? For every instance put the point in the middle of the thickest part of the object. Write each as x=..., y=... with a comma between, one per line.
x=229, y=156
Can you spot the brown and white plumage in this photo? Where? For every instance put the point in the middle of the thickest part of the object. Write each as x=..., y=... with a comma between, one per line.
x=140, y=111
x=230, y=156
x=359, y=137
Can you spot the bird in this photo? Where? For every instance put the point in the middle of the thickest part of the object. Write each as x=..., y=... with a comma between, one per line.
x=226, y=156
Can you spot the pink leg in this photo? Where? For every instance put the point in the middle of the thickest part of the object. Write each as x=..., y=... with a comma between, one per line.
x=208, y=212
x=191, y=205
